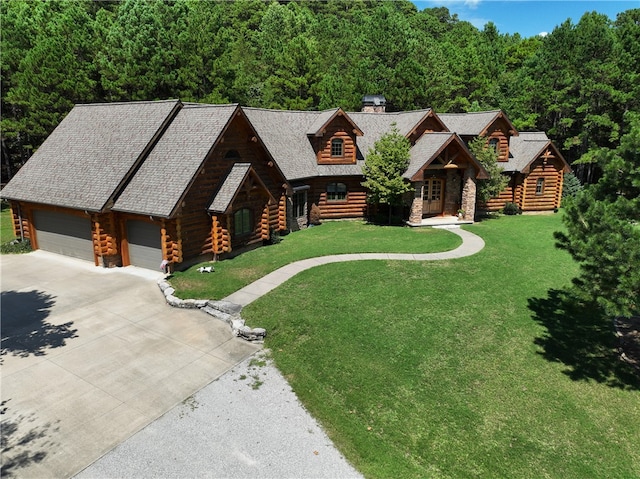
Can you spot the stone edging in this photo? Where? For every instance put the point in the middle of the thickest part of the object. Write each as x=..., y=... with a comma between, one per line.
x=223, y=310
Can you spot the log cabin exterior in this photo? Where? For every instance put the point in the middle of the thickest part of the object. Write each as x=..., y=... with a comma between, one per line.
x=166, y=182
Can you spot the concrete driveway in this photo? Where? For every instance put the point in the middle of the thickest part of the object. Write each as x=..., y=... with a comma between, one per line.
x=90, y=356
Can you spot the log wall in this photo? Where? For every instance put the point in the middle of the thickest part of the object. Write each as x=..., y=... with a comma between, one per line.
x=355, y=205
x=552, y=173
x=338, y=128
x=197, y=231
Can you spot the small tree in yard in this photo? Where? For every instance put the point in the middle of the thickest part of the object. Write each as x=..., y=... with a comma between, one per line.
x=383, y=169
x=488, y=158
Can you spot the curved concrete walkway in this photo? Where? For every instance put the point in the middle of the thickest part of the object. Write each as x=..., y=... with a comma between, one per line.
x=471, y=244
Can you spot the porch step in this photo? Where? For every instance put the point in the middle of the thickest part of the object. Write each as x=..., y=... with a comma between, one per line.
x=441, y=221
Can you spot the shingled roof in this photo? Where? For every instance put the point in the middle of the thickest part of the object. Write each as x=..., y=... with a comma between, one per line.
x=89, y=156
x=469, y=124
x=231, y=185
x=284, y=134
x=526, y=148
x=162, y=180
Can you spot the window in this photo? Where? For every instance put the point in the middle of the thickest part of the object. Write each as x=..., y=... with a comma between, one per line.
x=337, y=147
x=242, y=222
x=336, y=192
x=540, y=187
x=232, y=155
x=299, y=204
x=494, y=144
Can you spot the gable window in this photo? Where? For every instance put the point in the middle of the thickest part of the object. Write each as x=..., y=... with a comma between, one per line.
x=242, y=222
x=336, y=192
x=232, y=155
x=337, y=147
x=494, y=144
x=540, y=186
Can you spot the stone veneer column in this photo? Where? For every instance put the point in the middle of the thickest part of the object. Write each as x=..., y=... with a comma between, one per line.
x=415, y=217
x=469, y=194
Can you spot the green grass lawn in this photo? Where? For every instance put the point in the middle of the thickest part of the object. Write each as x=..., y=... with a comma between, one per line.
x=486, y=366
x=330, y=238
x=6, y=225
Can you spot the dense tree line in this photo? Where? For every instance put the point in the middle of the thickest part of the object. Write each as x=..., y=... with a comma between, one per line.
x=576, y=83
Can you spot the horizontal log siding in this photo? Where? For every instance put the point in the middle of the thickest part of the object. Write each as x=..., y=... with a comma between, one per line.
x=220, y=234
x=170, y=241
x=497, y=203
x=19, y=215
x=503, y=144
x=552, y=173
x=196, y=225
x=105, y=234
x=355, y=205
x=339, y=128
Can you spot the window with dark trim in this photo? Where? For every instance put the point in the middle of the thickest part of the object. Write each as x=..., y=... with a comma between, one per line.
x=540, y=186
x=299, y=204
x=242, y=222
x=336, y=192
x=337, y=147
x=494, y=144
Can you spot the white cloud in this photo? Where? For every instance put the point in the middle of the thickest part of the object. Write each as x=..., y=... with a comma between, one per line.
x=543, y=34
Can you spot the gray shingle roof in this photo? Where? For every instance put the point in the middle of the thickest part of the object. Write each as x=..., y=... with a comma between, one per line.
x=375, y=125
x=468, y=123
x=524, y=149
x=162, y=180
x=284, y=133
x=425, y=149
x=83, y=163
x=229, y=187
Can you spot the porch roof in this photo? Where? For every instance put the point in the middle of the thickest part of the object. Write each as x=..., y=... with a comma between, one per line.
x=229, y=188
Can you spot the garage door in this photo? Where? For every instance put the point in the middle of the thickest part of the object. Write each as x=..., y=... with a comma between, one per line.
x=144, y=244
x=64, y=234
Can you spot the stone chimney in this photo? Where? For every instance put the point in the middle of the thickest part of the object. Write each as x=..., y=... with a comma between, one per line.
x=374, y=104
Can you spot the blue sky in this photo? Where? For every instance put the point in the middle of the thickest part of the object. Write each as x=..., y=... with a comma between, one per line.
x=528, y=18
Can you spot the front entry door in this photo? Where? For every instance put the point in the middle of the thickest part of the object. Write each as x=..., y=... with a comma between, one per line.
x=432, y=198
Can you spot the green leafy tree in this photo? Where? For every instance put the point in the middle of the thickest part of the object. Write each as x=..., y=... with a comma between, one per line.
x=384, y=167
x=603, y=228
x=488, y=158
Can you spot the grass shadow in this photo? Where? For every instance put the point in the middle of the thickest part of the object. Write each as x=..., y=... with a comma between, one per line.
x=25, y=330
x=580, y=336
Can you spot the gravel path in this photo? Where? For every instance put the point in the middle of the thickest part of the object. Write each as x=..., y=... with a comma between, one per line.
x=246, y=424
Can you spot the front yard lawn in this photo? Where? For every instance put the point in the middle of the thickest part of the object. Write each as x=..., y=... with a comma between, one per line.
x=334, y=237
x=486, y=366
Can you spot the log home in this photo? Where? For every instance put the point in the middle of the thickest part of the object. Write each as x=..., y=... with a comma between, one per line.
x=166, y=182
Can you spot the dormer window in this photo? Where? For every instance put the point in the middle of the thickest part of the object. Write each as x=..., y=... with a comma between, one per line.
x=494, y=144
x=337, y=148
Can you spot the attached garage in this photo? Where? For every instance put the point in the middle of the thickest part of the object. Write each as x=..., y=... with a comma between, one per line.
x=144, y=241
x=63, y=233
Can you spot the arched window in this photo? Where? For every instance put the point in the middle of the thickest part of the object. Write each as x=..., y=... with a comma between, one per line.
x=540, y=187
x=232, y=155
x=336, y=192
x=242, y=222
x=337, y=147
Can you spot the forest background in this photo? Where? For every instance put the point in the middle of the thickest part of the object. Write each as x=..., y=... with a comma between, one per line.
x=576, y=83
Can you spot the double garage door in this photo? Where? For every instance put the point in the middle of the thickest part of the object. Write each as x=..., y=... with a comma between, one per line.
x=70, y=235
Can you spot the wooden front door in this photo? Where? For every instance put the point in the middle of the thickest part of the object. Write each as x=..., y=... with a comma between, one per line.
x=432, y=196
